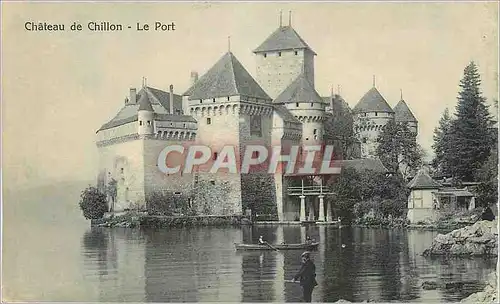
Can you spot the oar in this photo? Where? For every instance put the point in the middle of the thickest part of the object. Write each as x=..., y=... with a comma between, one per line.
x=259, y=281
x=276, y=249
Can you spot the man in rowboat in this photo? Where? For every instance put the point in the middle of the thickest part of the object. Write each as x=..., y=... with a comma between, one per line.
x=307, y=276
x=261, y=241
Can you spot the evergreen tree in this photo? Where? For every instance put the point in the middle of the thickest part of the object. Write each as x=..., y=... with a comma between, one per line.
x=470, y=135
x=398, y=149
x=441, y=145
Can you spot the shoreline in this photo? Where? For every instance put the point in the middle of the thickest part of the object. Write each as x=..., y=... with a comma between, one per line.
x=142, y=220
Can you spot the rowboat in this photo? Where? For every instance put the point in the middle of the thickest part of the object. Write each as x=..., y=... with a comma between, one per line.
x=304, y=246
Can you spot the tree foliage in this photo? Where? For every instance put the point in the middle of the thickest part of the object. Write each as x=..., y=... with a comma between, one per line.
x=470, y=133
x=487, y=191
x=441, y=145
x=398, y=149
x=93, y=203
x=357, y=193
x=258, y=193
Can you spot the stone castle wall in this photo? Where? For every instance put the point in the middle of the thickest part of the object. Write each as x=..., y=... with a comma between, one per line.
x=367, y=129
x=275, y=72
x=125, y=163
x=157, y=181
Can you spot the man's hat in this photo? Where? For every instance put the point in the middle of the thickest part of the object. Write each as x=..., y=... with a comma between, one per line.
x=306, y=254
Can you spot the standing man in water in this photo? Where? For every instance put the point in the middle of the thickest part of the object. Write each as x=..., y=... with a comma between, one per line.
x=307, y=276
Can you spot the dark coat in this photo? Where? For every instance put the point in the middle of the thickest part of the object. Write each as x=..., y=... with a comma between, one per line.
x=307, y=274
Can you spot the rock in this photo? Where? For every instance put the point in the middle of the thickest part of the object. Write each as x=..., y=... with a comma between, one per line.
x=430, y=285
x=488, y=295
x=444, y=239
x=477, y=240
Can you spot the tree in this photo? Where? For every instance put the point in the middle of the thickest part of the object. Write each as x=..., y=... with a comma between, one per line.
x=487, y=191
x=398, y=149
x=441, y=145
x=470, y=134
x=93, y=203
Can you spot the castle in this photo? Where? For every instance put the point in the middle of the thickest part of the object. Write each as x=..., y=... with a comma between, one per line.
x=227, y=106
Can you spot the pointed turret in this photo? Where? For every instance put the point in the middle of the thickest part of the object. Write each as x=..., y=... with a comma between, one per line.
x=372, y=101
x=300, y=90
x=302, y=100
x=145, y=114
x=403, y=112
x=371, y=114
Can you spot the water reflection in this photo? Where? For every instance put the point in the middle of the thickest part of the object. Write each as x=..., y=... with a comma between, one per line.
x=201, y=264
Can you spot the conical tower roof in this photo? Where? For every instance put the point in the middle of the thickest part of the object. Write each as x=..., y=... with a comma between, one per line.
x=423, y=181
x=283, y=38
x=403, y=112
x=227, y=77
x=300, y=90
x=144, y=102
x=372, y=101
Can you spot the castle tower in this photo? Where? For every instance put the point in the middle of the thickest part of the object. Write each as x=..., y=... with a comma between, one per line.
x=281, y=58
x=403, y=114
x=231, y=110
x=145, y=116
x=371, y=114
x=302, y=100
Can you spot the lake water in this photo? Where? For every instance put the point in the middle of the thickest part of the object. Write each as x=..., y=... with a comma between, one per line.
x=51, y=254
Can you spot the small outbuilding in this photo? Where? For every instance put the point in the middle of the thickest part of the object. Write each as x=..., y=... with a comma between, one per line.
x=422, y=201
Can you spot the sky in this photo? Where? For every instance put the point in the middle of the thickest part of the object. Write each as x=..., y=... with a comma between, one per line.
x=58, y=88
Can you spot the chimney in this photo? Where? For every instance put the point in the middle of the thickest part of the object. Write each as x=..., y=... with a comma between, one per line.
x=171, y=99
x=133, y=96
x=194, y=77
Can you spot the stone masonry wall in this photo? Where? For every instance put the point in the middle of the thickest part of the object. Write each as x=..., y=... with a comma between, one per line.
x=124, y=163
x=275, y=72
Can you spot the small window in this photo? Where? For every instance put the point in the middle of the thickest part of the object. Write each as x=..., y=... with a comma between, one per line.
x=215, y=156
x=265, y=55
x=376, y=114
x=171, y=124
x=213, y=99
x=315, y=137
x=140, y=122
x=279, y=54
x=255, y=154
x=149, y=123
x=228, y=98
x=312, y=104
x=307, y=138
x=296, y=104
x=184, y=125
x=296, y=53
x=315, y=131
x=121, y=170
x=209, y=121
